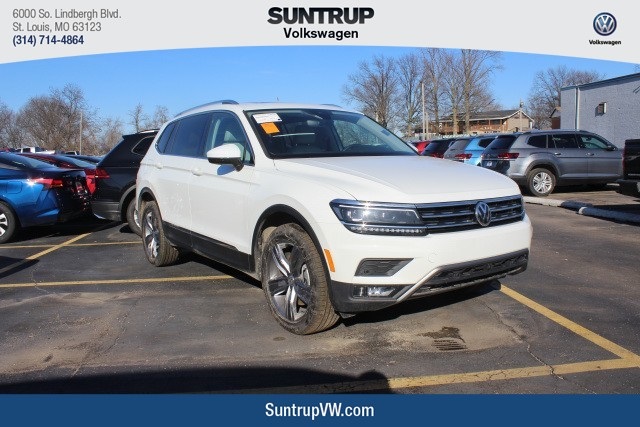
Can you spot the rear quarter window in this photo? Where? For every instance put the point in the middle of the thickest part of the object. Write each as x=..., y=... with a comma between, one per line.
x=538, y=141
x=142, y=147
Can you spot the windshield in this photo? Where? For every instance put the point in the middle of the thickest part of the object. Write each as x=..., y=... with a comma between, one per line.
x=294, y=133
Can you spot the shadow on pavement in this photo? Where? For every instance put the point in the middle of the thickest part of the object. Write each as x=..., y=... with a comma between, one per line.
x=203, y=380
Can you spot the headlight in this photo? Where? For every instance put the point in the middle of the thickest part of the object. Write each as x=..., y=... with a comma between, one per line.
x=379, y=218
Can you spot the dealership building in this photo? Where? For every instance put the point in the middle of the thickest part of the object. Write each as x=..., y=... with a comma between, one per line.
x=610, y=108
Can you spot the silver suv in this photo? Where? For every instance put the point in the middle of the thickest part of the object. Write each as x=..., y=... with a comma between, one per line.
x=541, y=160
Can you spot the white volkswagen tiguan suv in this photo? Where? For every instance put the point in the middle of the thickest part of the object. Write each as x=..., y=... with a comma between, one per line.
x=333, y=213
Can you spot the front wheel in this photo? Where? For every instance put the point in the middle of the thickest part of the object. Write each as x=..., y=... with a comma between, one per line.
x=8, y=223
x=295, y=283
x=157, y=248
x=541, y=182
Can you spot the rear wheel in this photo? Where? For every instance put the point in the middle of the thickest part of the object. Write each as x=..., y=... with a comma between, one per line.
x=8, y=223
x=133, y=220
x=295, y=283
x=157, y=248
x=541, y=182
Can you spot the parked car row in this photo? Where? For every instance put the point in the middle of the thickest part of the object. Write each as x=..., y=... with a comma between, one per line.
x=538, y=160
x=33, y=192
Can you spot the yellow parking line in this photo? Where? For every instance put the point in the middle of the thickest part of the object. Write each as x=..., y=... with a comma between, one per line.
x=574, y=327
x=39, y=254
x=437, y=380
x=72, y=245
x=56, y=247
x=114, y=281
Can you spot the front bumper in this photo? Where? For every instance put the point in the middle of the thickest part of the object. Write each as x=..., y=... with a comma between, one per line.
x=443, y=279
x=629, y=187
x=106, y=210
x=421, y=266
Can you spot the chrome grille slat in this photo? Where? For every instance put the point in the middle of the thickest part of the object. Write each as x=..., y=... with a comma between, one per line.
x=457, y=216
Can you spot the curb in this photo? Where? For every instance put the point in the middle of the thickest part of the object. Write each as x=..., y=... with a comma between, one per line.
x=585, y=209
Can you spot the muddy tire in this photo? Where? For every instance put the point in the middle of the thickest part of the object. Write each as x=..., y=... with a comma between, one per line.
x=295, y=283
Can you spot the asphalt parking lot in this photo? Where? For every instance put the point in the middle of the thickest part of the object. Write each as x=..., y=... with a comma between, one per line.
x=81, y=310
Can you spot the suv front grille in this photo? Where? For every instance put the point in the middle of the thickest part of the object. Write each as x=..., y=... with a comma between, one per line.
x=458, y=216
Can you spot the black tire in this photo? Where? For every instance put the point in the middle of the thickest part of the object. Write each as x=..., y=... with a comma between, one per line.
x=132, y=217
x=157, y=248
x=541, y=182
x=8, y=223
x=295, y=283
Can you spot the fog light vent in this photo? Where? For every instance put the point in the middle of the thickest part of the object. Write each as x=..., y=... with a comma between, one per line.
x=365, y=291
x=380, y=267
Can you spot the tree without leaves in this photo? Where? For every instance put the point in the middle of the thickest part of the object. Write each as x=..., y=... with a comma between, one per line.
x=111, y=132
x=452, y=86
x=409, y=99
x=138, y=118
x=59, y=121
x=477, y=66
x=6, y=120
x=160, y=116
x=433, y=69
x=374, y=87
x=547, y=85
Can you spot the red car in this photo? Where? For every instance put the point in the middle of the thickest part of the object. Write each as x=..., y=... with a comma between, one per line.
x=420, y=145
x=66, y=162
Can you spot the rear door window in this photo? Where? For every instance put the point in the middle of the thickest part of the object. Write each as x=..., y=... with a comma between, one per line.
x=188, y=138
x=565, y=140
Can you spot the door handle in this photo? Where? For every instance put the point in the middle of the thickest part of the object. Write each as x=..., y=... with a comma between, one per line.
x=196, y=171
x=557, y=154
x=158, y=165
x=590, y=154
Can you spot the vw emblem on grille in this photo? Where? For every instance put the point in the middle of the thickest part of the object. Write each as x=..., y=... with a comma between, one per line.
x=605, y=24
x=483, y=214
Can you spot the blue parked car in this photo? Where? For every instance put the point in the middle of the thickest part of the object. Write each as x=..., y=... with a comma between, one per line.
x=35, y=193
x=469, y=150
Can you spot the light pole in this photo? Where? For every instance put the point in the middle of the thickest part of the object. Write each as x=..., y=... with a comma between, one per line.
x=425, y=117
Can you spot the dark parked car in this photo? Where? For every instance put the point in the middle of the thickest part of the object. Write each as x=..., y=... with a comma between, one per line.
x=66, y=162
x=540, y=160
x=469, y=151
x=114, y=198
x=36, y=193
x=91, y=159
x=456, y=147
x=629, y=185
x=437, y=147
x=497, y=156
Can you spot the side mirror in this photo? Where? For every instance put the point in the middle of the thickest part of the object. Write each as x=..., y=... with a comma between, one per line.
x=226, y=154
x=611, y=148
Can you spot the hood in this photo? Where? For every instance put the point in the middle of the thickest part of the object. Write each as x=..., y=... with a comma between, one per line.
x=401, y=179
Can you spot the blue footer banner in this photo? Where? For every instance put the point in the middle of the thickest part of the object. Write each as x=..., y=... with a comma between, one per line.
x=281, y=410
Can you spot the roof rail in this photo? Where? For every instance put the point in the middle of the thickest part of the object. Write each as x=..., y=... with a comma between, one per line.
x=219, y=102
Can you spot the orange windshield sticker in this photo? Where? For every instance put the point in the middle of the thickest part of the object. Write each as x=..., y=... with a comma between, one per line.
x=270, y=128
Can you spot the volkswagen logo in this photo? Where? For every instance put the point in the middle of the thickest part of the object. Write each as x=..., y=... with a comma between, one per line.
x=483, y=214
x=605, y=24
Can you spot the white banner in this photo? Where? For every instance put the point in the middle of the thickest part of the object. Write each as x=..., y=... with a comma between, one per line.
x=38, y=29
